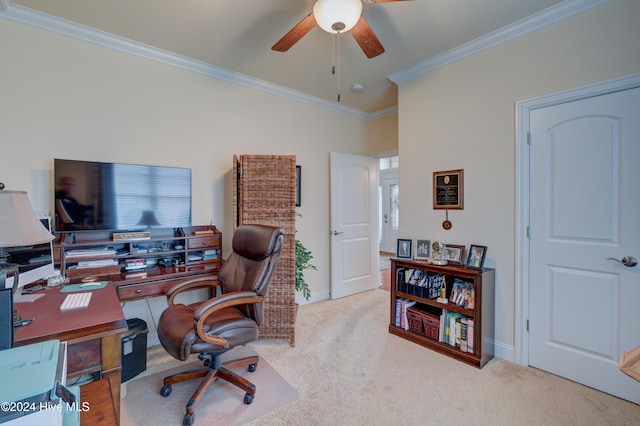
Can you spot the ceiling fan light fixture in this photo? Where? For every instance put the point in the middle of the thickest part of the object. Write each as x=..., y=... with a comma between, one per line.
x=337, y=16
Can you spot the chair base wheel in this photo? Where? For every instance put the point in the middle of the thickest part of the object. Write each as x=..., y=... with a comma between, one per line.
x=188, y=419
x=252, y=367
x=165, y=390
x=248, y=398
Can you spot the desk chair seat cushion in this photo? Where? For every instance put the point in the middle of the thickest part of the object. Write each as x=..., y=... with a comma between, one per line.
x=180, y=339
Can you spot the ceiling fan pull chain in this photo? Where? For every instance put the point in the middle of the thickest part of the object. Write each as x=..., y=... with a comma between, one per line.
x=339, y=67
x=333, y=54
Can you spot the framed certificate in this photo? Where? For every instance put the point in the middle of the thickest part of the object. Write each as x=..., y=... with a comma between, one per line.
x=448, y=189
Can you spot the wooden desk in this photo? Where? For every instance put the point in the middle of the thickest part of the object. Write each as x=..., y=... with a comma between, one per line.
x=92, y=334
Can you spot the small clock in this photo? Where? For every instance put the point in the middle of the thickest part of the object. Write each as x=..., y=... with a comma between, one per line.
x=437, y=259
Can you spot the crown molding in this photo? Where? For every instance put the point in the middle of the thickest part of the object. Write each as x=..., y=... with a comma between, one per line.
x=27, y=16
x=539, y=20
x=534, y=22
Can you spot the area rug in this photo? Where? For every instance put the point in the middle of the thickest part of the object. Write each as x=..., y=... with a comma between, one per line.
x=222, y=405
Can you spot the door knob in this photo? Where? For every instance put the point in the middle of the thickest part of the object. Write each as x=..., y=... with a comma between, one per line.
x=629, y=261
x=337, y=233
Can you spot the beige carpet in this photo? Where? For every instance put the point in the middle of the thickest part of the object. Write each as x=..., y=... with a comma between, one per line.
x=349, y=370
x=222, y=405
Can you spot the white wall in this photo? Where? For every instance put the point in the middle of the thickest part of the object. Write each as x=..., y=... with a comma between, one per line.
x=65, y=98
x=462, y=116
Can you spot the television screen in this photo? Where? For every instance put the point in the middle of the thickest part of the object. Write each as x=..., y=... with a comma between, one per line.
x=92, y=196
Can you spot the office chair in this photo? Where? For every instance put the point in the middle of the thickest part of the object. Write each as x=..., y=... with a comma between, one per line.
x=221, y=323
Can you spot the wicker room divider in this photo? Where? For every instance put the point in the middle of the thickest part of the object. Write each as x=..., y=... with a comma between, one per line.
x=264, y=193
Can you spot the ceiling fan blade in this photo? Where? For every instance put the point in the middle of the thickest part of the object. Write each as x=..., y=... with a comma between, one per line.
x=295, y=34
x=366, y=38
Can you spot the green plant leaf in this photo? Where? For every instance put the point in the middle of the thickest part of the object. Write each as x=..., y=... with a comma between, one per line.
x=303, y=263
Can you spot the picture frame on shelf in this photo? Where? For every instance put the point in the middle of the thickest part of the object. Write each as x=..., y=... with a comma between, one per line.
x=453, y=253
x=476, y=256
x=422, y=250
x=403, y=250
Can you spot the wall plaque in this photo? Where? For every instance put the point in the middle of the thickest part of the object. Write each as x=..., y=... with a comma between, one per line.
x=448, y=189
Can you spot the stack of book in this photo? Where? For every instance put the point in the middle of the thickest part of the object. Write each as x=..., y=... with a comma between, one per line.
x=211, y=254
x=134, y=264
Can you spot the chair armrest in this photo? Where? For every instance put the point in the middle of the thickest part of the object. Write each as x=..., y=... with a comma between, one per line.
x=192, y=284
x=224, y=301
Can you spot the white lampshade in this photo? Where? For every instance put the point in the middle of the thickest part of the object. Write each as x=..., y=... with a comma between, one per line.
x=19, y=225
x=330, y=14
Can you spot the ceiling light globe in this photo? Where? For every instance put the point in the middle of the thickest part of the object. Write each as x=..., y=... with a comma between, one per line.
x=330, y=14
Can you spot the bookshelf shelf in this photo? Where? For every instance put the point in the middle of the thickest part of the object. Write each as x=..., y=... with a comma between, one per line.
x=415, y=311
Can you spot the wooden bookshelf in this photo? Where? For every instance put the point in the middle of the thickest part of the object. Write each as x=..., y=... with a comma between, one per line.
x=481, y=311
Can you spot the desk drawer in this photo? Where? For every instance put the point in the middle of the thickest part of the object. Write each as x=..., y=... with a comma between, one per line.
x=203, y=242
x=136, y=291
x=151, y=289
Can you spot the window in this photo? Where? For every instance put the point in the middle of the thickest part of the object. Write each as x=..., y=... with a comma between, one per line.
x=389, y=163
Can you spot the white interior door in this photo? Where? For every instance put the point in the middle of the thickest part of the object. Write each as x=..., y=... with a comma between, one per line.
x=354, y=224
x=389, y=213
x=585, y=209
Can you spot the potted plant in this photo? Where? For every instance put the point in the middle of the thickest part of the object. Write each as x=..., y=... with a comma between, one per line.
x=303, y=259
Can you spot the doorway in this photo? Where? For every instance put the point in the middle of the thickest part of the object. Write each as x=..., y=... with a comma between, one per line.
x=388, y=213
x=388, y=203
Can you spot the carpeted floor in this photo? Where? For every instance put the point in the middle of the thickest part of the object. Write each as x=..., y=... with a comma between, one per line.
x=348, y=370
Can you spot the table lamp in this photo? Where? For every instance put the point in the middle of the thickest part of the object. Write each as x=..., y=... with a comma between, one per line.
x=19, y=227
x=148, y=219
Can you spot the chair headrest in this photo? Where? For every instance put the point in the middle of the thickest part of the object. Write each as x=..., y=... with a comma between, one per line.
x=257, y=242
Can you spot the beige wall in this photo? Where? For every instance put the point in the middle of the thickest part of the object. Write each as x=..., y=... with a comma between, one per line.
x=382, y=134
x=65, y=98
x=462, y=116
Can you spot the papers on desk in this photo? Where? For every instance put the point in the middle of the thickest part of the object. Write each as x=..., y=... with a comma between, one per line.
x=96, y=263
x=100, y=251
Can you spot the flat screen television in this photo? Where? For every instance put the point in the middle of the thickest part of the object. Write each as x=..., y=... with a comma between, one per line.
x=97, y=196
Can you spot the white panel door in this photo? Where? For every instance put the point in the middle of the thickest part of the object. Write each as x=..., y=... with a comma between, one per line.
x=584, y=214
x=354, y=224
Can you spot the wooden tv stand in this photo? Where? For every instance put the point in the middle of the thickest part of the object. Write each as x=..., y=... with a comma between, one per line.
x=146, y=267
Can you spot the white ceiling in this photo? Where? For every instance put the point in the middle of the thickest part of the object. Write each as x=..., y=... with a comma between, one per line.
x=237, y=35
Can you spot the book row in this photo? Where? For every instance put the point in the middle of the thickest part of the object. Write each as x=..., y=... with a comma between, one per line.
x=457, y=330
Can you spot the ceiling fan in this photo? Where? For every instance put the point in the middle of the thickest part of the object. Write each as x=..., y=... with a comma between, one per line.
x=336, y=17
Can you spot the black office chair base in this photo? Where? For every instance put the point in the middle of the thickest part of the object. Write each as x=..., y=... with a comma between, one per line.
x=213, y=372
